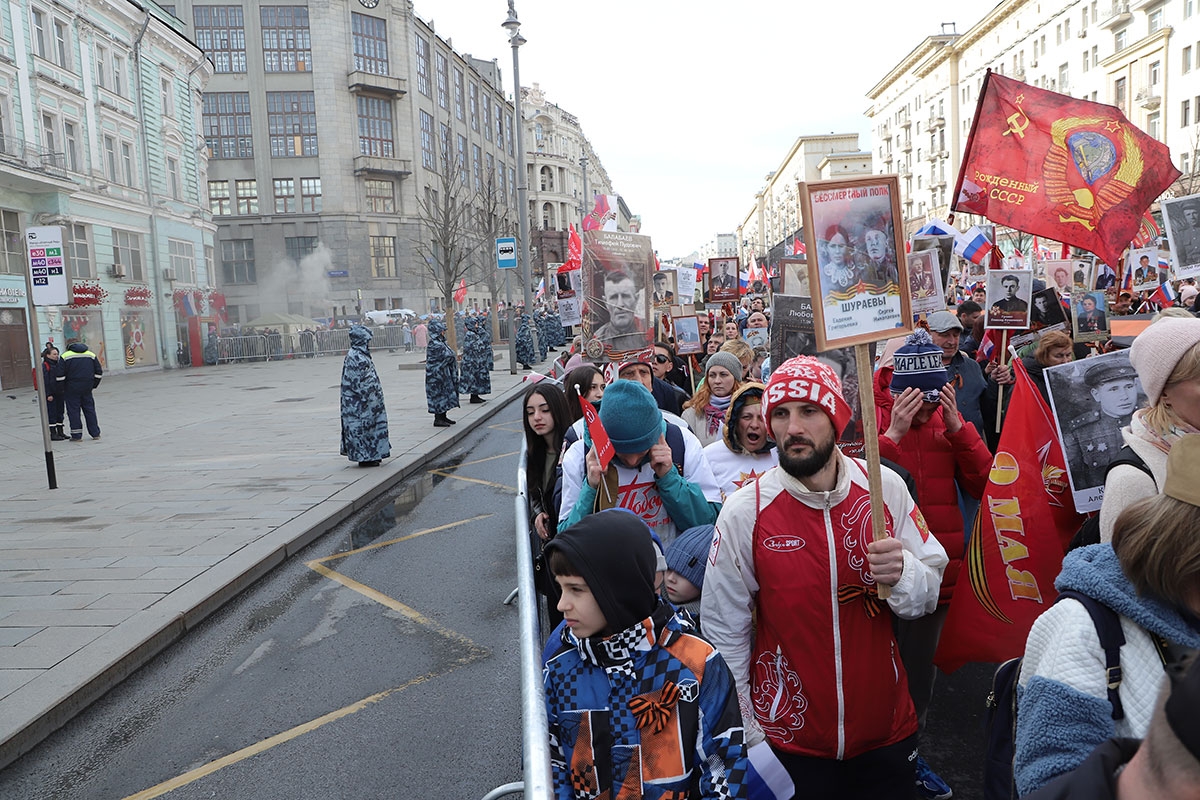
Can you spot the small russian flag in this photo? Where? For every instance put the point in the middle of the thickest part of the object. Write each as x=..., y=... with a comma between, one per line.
x=973, y=245
x=1164, y=295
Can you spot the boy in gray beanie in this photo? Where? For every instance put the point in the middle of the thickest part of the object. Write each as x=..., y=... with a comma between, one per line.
x=686, y=558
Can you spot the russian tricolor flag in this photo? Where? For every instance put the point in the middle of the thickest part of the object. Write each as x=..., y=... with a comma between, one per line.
x=975, y=246
x=1164, y=295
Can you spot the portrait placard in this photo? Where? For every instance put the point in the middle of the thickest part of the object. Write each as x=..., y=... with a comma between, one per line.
x=1143, y=265
x=1090, y=312
x=664, y=282
x=1046, y=310
x=1058, y=275
x=687, y=335
x=616, y=274
x=755, y=337
x=1181, y=218
x=925, y=282
x=1103, y=276
x=686, y=279
x=1092, y=400
x=570, y=296
x=721, y=281
x=1008, y=295
x=944, y=247
x=853, y=234
x=794, y=272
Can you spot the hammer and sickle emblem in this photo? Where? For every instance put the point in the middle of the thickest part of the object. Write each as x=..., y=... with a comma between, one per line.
x=1017, y=123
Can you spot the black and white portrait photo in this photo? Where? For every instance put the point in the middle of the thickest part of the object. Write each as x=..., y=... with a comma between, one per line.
x=721, y=281
x=1092, y=400
x=1008, y=296
x=665, y=282
x=1182, y=220
x=1046, y=309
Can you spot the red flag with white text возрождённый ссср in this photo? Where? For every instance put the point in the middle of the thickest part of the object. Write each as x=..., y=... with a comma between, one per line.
x=1071, y=170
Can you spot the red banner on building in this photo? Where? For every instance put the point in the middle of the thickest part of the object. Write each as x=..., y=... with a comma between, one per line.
x=1071, y=170
x=1026, y=518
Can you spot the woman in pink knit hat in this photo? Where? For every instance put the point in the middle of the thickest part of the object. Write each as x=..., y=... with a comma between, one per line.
x=1167, y=358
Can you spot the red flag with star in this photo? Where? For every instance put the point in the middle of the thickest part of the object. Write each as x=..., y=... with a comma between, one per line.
x=1070, y=170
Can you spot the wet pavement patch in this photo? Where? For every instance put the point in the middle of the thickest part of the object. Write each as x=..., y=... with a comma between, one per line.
x=293, y=400
x=52, y=519
x=257, y=388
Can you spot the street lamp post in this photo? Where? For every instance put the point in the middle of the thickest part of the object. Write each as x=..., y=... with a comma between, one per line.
x=513, y=26
x=583, y=162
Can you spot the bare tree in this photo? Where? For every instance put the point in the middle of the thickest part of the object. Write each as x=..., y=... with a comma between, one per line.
x=449, y=238
x=495, y=220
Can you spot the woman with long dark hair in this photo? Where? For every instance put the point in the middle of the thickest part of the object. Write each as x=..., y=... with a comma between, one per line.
x=591, y=387
x=545, y=422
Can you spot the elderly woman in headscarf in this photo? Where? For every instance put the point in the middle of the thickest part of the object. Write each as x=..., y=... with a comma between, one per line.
x=441, y=375
x=364, y=417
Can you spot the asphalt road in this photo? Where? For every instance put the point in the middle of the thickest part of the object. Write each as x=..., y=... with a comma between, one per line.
x=380, y=663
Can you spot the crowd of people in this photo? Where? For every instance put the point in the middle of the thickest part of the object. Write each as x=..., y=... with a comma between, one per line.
x=744, y=600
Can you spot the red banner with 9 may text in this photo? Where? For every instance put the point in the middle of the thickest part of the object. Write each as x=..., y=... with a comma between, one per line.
x=1026, y=518
x=600, y=440
x=1071, y=170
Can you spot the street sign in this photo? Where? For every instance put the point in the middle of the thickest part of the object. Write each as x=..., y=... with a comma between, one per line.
x=47, y=268
x=506, y=253
x=338, y=273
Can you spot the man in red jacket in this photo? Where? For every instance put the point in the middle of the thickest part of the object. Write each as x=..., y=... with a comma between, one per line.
x=925, y=434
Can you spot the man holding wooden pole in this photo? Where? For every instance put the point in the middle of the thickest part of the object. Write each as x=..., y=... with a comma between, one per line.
x=792, y=598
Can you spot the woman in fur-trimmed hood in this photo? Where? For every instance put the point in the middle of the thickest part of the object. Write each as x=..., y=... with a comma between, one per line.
x=744, y=450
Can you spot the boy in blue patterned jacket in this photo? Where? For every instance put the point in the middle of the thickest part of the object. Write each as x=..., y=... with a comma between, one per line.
x=638, y=705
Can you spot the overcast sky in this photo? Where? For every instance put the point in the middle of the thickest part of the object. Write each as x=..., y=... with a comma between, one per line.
x=690, y=104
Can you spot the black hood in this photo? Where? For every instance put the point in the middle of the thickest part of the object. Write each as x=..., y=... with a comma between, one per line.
x=77, y=347
x=612, y=551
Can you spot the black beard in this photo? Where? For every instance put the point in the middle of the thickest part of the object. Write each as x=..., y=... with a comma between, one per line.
x=807, y=466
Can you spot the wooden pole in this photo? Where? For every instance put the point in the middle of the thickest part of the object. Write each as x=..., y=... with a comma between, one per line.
x=866, y=400
x=1000, y=388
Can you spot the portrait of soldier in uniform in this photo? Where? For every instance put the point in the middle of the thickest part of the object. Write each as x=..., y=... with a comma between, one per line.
x=1183, y=225
x=1090, y=316
x=721, y=280
x=664, y=292
x=879, y=267
x=625, y=329
x=1091, y=416
x=1008, y=294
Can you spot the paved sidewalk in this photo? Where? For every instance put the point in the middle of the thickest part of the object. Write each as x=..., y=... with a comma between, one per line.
x=204, y=479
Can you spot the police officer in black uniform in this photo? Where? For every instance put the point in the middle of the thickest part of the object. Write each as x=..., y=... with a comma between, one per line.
x=1094, y=438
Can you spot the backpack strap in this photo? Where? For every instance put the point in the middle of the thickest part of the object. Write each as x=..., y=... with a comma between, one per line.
x=1128, y=457
x=678, y=446
x=1112, y=638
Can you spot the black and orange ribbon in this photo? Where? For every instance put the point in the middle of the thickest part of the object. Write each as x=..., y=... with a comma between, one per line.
x=655, y=713
x=848, y=593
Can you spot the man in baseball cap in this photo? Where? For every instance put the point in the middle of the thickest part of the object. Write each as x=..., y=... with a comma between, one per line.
x=792, y=569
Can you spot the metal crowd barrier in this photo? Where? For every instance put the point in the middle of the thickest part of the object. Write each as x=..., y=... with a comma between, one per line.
x=535, y=738
x=231, y=349
x=302, y=344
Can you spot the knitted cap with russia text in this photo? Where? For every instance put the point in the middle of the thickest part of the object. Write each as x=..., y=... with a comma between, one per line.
x=807, y=380
x=918, y=364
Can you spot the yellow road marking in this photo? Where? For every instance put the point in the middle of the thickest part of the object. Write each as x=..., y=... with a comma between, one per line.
x=474, y=653
x=493, y=484
x=482, y=460
x=503, y=426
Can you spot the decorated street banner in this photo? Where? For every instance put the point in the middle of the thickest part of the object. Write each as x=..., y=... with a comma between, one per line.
x=617, y=285
x=1070, y=170
x=1017, y=544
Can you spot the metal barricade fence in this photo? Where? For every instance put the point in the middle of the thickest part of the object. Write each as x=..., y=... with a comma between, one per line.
x=535, y=738
x=231, y=349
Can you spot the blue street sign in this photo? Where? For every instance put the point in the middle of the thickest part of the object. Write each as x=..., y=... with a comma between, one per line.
x=338, y=273
x=506, y=253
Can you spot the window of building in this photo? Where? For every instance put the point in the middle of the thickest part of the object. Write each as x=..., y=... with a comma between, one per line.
x=370, y=44
x=1186, y=58
x=490, y=173
x=473, y=100
x=166, y=96
x=477, y=166
x=174, y=184
x=292, y=124
x=512, y=185
x=547, y=216
x=1185, y=113
x=444, y=142
x=110, y=159
x=40, y=34
x=79, y=253
x=62, y=43
x=375, y=126
x=102, y=78
x=462, y=159
x=237, y=261
x=1064, y=82
x=442, y=66
x=218, y=198
x=285, y=195
x=427, y=157
x=1189, y=8
x=127, y=166
x=1120, y=93
x=221, y=34
x=116, y=64
x=1154, y=125
x=1120, y=39
x=423, y=66
x=49, y=140
x=381, y=197
x=1155, y=19
x=508, y=132
x=183, y=259
x=546, y=179
x=247, y=196
x=299, y=247
x=209, y=255
x=503, y=193
x=1095, y=55
x=310, y=195
x=383, y=256
x=1154, y=74
x=458, y=94
x=1183, y=163
x=487, y=117
x=1087, y=58
x=227, y=129
x=286, y=42
x=12, y=244
x=127, y=253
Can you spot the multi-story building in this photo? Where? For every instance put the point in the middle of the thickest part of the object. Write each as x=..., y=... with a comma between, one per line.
x=99, y=118
x=1141, y=56
x=327, y=151
x=723, y=245
x=771, y=227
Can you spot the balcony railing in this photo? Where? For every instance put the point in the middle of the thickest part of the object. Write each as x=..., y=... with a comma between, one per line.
x=1119, y=14
x=1148, y=97
x=30, y=156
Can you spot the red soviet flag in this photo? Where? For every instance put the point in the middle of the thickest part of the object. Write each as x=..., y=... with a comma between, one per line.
x=460, y=293
x=1070, y=170
x=599, y=436
x=1026, y=519
x=574, y=251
